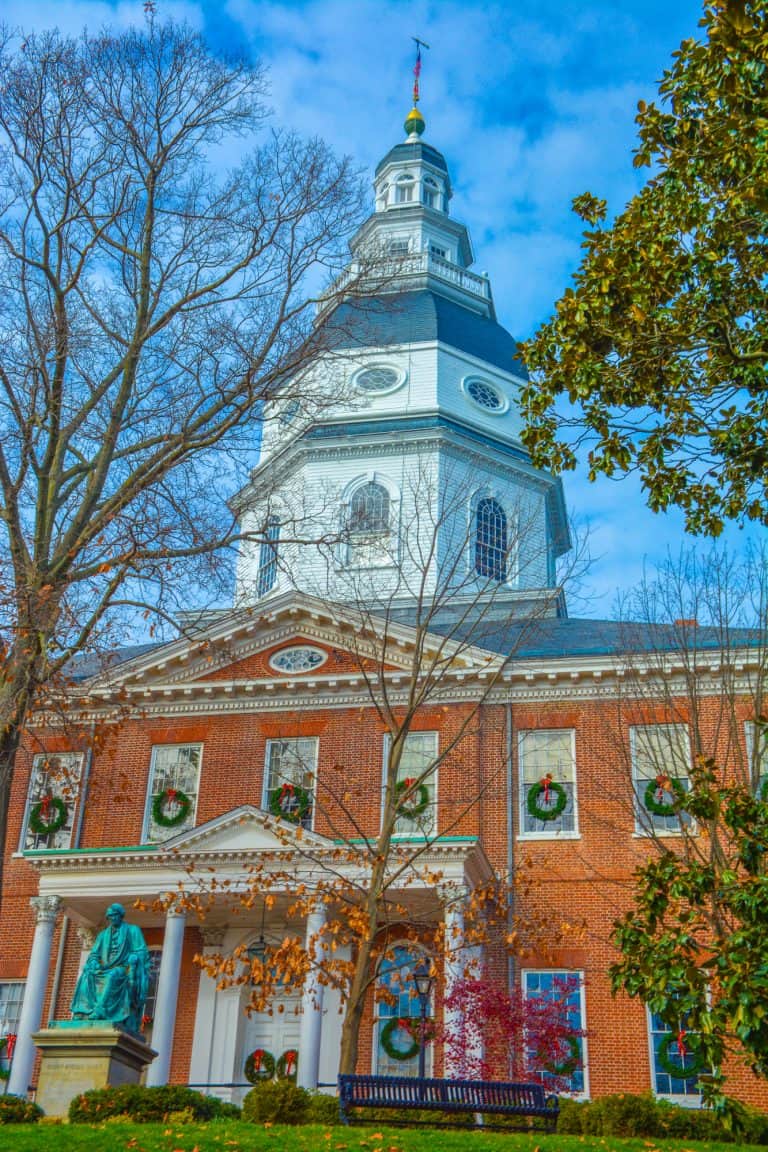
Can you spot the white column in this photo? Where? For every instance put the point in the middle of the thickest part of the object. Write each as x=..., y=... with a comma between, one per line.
x=167, y=996
x=205, y=1015
x=311, y=1024
x=455, y=961
x=46, y=909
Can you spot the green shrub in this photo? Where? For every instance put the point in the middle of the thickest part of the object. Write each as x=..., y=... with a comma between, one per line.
x=142, y=1104
x=643, y=1115
x=17, y=1110
x=625, y=1115
x=323, y=1109
x=276, y=1102
x=570, y=1122
x=229, y=1111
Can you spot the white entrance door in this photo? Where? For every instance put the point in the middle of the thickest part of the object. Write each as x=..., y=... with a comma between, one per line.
x=277, y=1033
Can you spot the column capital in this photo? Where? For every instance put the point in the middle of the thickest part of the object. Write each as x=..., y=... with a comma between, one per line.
x=213, y=935
x=45, y=908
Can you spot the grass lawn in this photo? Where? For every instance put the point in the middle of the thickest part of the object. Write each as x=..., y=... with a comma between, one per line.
x=236, y=1136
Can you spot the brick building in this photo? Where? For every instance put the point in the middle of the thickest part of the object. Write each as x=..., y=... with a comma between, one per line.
x=402, y=515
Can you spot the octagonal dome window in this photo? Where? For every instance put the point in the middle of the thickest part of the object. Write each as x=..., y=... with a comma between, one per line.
x=485, y=395
x=298, y=658
x=378, y=379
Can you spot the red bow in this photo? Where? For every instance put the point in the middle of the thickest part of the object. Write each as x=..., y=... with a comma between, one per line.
x=171, y=794
x=681, y=1043
x=545, y=783
x=662, y=780
x=10, y=1044
x=287, y=789
x=290, y=1060
x=258, y=1056
x=45, y=806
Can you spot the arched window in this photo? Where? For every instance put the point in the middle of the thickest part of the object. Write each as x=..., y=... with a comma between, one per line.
x=404, y=189
x=268, y=558
x=491, y=543
x=397, y=1052
x=368, y=525
x=431, y=192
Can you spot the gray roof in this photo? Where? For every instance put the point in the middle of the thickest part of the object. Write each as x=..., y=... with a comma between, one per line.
x=418, y=317
x=553, y=638
x=84, y=666
x=415, y=150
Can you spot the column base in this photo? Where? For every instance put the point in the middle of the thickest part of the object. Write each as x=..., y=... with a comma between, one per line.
x=79, y=1055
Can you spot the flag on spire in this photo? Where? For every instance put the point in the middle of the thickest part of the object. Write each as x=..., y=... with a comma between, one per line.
x=417, y=67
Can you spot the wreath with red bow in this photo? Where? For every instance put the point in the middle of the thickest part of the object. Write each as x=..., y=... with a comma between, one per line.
x=288, y=1065
x=550, y=790
x=386, y=1038
x=259, y=1066
x=417, y=803
x=7, y=1045
x=48, y=815
x=697, y=1063
x=657, y=789
x=290, y=802
x=171, y=807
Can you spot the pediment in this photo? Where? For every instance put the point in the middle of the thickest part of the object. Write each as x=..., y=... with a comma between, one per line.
x=245, y=829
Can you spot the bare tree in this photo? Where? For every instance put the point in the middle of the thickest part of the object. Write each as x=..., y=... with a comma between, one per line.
x=426, y=609
x=154, y=297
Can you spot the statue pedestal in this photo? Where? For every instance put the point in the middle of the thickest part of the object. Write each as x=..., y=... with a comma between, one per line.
x=78, y=1055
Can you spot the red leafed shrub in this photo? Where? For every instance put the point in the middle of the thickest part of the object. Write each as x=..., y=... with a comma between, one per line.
x=502, y=1035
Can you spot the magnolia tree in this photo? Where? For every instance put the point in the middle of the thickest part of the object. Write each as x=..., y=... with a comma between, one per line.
x=157, y=263
x=430, y=622
x=692, y=945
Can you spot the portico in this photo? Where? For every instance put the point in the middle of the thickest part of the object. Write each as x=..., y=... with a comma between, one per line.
x=209, y=867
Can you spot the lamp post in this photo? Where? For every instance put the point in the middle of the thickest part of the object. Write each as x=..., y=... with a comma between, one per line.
x=423, y=980
x=257, y=949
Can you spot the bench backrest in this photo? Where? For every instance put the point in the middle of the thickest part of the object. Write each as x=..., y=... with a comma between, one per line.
x=395, y=1091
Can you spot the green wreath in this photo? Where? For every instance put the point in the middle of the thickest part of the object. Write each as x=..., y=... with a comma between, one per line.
x=532, y=800
x=49, y=805
x=289, y=1059
x=659, y=807
x=385, y=1039
x=677, y=1071
x=301, y=803
x=259, y=1066
x=170, y=796
x=569, y=1065
x=419, y=802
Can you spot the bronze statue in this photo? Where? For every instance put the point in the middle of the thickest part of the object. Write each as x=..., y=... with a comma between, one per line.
x=115, y=980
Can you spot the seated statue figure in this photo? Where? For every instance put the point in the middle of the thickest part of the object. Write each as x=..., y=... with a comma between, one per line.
x=115, y=980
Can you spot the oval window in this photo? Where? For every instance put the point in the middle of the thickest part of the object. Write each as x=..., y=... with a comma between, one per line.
x=486, y=395
x=377, y=380
x=298, y=658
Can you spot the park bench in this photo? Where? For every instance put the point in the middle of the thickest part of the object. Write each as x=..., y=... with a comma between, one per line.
x=487, y=1097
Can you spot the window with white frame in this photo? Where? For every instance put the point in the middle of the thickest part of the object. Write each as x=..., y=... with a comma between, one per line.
x=368, y=527
x=291, y=769
x=11, y=1000
x=491, y=540
x=418, y=803
x=430, y=193
x=661, y=759
x=397, y=1022
x=404, y=187
x=672, y=1050
x=757, y=757
x=174, y=779
x=267, y=573
x=547, y=759
x=564, y=991
x=51, y=800
x=150, y=1004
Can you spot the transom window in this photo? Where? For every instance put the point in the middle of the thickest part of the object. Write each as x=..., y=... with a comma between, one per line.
x=661, y=757
x=174, y=778
x=267, y=573
x=379, y=379
x=298, y=658
x=485, y=395
x=290, y=777
x=547, y=781
x=404, y=189
x=397, y=1006
x=491, y=539
x=51, y=800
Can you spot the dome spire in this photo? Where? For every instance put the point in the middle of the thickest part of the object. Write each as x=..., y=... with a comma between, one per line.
x=414, y=122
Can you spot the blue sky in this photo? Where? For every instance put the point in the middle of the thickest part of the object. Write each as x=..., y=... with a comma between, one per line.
x=531, y=103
